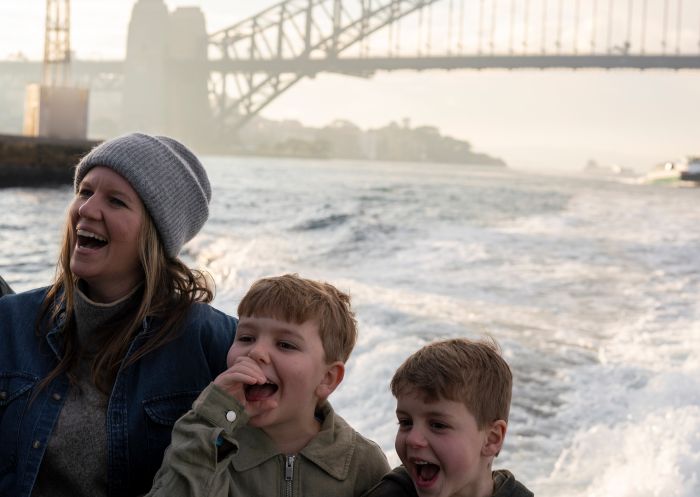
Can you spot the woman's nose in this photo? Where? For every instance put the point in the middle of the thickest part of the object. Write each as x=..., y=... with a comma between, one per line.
x=89, y=208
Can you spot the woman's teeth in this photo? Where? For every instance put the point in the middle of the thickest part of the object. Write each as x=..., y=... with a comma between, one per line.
x=90, y=239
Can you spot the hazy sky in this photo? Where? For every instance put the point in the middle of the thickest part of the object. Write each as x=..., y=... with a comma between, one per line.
x=532, y=119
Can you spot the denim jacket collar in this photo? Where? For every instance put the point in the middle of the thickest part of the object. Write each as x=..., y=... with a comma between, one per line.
x=53, y=337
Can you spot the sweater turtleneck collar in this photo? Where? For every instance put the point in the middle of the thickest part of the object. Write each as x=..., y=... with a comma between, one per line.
x=91, y=316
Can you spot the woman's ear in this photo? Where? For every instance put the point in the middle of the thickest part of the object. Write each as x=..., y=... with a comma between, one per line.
x=495, y=435
x=335, y=372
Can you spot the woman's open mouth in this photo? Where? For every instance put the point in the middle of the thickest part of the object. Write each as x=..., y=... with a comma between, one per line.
x=90, y=240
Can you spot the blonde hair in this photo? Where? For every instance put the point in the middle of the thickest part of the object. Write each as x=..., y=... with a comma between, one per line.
x=297, y=300
x=461, y=370
x=169, y=289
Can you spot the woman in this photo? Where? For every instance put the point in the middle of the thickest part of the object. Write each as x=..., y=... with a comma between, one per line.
x=96, y=368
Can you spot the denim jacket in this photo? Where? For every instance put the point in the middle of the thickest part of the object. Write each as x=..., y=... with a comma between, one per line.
x=146, y=399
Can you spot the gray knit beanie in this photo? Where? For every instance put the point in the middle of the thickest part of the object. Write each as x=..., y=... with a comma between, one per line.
x=167, y=176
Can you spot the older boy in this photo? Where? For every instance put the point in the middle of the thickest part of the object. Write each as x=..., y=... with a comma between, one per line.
x=453, y=399
x=264, y=426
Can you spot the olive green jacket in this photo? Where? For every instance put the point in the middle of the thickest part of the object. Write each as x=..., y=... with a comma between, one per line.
x=215, y=454
x=398, y=483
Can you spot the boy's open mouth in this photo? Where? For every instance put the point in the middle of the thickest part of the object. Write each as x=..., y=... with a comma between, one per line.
x=87, y=239
x=426, y=472
x=260, y=392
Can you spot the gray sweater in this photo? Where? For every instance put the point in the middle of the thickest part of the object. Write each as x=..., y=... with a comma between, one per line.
x=75, y=462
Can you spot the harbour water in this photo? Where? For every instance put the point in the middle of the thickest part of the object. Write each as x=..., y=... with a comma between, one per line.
x=590, y=286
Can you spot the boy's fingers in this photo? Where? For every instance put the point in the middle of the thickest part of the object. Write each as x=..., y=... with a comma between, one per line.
x=244, y=371
x=251, y=367
x=233, y=382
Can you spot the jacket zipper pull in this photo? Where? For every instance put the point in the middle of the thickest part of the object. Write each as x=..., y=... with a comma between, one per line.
x=289, y=474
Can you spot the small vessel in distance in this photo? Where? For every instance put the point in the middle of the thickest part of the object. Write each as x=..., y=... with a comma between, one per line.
x=686, y=169
x=592, y=167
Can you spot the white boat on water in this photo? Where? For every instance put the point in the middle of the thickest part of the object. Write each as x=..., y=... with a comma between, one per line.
x=686, y=169
x=690, y=169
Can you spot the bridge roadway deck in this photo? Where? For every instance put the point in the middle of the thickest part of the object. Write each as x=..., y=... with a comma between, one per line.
x=364, y=65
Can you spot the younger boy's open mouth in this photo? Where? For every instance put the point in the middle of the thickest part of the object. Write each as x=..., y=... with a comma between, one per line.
x=90, y=240
x=260, y=392
x=425, y=473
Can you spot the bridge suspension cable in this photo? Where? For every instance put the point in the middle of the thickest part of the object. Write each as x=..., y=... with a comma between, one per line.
x=628, y=39
x=460, y=44
x=429, y=40
x=419, y=37
x=642, y=43
x=526, y=24
x=665, y=28
x=512, y=26
x=397, y=39
x=577, y=6
x=679, y=16
x=492, y=36
x=610, y=25
x=480, y=34
x=594, y=17
x=449, y=28
x=560, y=16
x=543, y=37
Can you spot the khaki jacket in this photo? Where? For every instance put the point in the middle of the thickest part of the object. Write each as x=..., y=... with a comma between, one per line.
x=398, y=483
x=215, y=454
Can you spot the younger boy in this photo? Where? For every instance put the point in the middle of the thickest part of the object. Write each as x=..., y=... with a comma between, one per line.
x=264, y=428
x=453, y=399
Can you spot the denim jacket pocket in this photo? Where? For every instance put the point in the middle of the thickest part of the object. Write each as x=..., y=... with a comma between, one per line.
x=15, y=389
x=161, y=414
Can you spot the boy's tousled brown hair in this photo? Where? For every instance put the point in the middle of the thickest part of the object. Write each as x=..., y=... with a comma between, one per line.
x=461, y=370
x=297, y=300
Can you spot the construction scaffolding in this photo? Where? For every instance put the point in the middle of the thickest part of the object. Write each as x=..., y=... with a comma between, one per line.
x=55, y=108
x=57, y=44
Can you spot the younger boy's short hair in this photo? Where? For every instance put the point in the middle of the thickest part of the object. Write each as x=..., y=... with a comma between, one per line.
x=461, y=370
x=297, y=300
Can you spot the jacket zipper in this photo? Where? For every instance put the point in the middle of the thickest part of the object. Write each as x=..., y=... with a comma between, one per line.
x=289, y=475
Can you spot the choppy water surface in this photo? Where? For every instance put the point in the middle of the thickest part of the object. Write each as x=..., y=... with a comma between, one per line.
x=591, y=287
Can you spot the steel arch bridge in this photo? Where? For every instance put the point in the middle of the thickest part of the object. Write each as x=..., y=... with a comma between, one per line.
x=248, y=65
x=257, y=59
x=266, y=54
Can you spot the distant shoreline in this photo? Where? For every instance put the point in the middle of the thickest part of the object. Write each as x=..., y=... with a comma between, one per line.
x=489, y=162
x=39, y=161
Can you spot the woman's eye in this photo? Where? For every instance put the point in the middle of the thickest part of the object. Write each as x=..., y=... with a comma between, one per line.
x=117, y=202
x=84, y=192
